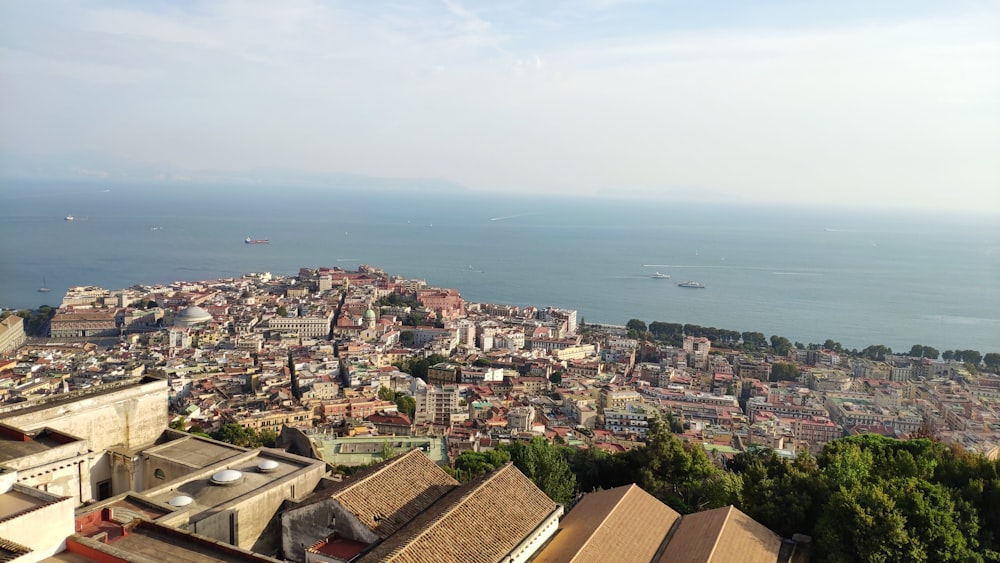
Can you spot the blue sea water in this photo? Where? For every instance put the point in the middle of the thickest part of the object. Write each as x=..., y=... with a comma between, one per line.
x=808, y=274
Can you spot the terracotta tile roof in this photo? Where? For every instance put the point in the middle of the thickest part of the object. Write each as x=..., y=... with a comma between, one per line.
x=478, y=522
x=621, y=524
x=386, y=496
x=719, y=536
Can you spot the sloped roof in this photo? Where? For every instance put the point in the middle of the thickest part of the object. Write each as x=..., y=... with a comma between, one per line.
x=621, y=524
x=386, y=496
x=478, y=522
x=720, y=536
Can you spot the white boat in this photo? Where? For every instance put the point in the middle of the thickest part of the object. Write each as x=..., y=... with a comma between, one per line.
x=691, y=284
x=659, y=276
x=45, y=288
x=69, y=218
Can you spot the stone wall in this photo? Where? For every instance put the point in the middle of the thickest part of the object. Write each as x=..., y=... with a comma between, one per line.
x=128, y=415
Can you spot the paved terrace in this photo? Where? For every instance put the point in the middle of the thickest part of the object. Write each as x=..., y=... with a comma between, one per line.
x=362, y=451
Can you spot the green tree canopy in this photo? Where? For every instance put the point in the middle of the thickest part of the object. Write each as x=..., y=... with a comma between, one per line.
x=636, y=328
x=546, y=466
x=784, y=371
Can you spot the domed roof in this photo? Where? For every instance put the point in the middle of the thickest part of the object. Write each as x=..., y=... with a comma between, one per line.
x=227, y=477
x=191, y=316
x=369, y=315
x=180, y=500
x=267, y=466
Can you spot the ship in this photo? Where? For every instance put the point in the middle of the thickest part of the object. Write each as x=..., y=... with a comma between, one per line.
x=692, y=284
x=249, y=240
x=69, y=217
x=659, y=276
x=45, y=288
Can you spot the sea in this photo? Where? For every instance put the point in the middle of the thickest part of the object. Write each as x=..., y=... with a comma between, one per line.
x=859, y=277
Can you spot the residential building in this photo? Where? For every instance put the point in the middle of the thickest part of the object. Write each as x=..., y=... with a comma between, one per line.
x=12, y=334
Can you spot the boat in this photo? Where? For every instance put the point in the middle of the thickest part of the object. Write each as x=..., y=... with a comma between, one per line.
x=249, y=240
x=69, y=218
x=45, y=288
x=692, y=284
x=659, y=276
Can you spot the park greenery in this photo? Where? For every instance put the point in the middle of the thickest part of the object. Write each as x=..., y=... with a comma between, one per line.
x=673, y=334
x=864, y=498
x=405, y=403
x=36, y=321
x=245, y=437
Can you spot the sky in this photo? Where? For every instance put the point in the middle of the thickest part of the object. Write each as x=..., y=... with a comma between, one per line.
x=862, y=103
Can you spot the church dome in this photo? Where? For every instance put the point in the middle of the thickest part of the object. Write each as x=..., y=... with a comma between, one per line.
x=369, y=315
x=191, y=316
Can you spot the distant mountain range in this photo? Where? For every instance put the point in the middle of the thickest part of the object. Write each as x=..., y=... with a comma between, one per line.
x=93, y=166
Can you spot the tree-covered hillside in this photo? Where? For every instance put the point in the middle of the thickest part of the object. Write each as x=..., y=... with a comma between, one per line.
x=865, y=498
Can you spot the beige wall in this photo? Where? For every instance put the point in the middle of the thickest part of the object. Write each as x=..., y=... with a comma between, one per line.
x=127, y=416
x=43, y=530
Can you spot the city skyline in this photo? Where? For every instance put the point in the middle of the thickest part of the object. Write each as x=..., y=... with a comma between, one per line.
x=887, y=105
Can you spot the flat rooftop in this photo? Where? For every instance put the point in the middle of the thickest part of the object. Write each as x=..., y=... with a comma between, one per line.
x=193, y=452
x=16, y=449
x=14, y=502
x=160, y=543
x=207, y=495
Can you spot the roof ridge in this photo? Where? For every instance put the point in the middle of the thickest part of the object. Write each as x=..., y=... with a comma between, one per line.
x=475, y=485
x=607, y=517
x=718, y=536
x=386, y=464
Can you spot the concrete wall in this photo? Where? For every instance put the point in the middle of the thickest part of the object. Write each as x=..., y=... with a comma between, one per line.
x=303, y=526
x=128, y=415
x=255, y=521
x=172, y=469
x=67, y=478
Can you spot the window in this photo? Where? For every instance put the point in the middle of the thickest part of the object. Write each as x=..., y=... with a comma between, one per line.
x=159, y=474
x=104, y=489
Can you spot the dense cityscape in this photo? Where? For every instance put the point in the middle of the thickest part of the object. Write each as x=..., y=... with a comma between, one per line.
x=265, y=418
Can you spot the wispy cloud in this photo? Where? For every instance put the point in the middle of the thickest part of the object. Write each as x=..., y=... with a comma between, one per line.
x=520, y=96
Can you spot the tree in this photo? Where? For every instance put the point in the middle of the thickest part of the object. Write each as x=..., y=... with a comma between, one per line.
x=386, y=394
x=863, y=524
x=921, y=351
x=546, y=466
x=388, y=452
x=972, y=357
x=992, y=361
x=406, y=338
x=753, y=341
x=470, y=464
x=833, y=345
x=267, y=437
x=678, y=474
x=282, y=311
x=556, y=377
x=406, y=404
x=636, y=328
x=784, y=371
x=671, y=333
x=787, y=497
x=876, y=352
x=948, y=355
x=781, y=345
x=238, y=436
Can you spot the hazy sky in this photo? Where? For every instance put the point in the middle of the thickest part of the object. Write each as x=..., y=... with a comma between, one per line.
x=867, y=102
